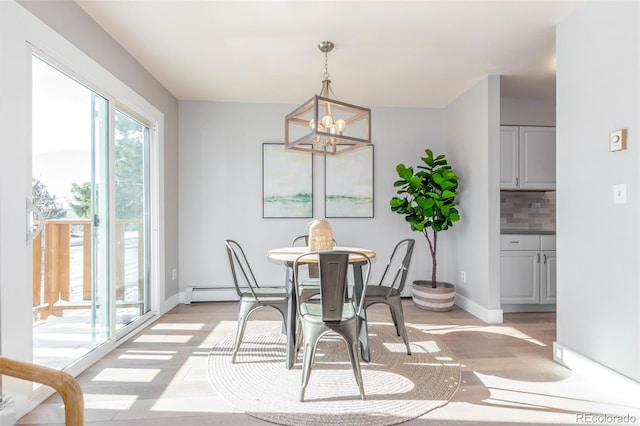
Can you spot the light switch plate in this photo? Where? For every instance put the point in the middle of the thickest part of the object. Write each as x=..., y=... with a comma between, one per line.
x=620, y=194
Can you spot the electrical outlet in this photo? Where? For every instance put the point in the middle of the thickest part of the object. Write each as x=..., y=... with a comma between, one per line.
x=463, y=277
x=174, y=274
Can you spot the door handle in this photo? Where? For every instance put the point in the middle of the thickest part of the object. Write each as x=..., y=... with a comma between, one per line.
x=538, y=257
x=31, y=233
x=544, y=256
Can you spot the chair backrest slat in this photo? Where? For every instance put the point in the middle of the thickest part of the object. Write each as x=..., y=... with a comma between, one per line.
x=334, y=268
x=333, y=284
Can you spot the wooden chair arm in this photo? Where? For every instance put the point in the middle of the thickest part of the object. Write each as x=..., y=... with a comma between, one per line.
x=64, y=383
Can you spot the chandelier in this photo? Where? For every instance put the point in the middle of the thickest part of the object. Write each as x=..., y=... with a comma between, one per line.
x=325, y=125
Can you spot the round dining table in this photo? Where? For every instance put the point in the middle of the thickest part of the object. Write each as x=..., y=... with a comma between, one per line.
x=288, y=255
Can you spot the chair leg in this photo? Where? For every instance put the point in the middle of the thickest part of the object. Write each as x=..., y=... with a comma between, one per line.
x=243, y=314
x=310, y=344
x=355, y=364
x=283, y=311
x=395, y=320
x=350, y=336
x=398, y=315
x=299, y=337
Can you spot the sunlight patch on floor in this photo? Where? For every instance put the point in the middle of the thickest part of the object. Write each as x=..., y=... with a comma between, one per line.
x=150, y=357
x=551, y=396
x=190, y=391
x=139, y=375
x=502, y=330
x=150, y=351
x=194, y=405
x=220, y=330
x=428, y=346
x=109, y=402
x=163, y=338
x=396, y=347
x=177, y=326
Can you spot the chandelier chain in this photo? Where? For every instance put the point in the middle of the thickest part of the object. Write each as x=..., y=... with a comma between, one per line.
x=326, y=66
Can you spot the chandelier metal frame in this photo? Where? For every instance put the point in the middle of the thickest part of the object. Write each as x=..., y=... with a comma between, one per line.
x=325, y=125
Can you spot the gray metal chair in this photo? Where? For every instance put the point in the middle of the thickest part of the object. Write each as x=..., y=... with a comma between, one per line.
x=333, y=312
x=389, y=292
x=302, y=240
x=252, y=296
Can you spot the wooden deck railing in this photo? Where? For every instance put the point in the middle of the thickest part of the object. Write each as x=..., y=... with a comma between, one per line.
x=53, y=294
x=64, y=383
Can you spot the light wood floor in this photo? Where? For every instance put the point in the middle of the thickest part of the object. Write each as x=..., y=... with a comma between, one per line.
x=509, y=377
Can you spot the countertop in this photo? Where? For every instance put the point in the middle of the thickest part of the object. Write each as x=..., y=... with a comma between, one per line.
x=528, y=231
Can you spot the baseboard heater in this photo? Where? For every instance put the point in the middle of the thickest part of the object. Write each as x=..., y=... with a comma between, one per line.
x=209, y=294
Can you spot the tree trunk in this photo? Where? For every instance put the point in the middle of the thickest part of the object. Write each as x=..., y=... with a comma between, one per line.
x=433, y=247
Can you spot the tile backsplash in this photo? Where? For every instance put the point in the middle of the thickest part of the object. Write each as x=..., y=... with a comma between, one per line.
x=520, y=210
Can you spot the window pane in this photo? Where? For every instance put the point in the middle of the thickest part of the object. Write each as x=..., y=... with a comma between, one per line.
x=131, y=189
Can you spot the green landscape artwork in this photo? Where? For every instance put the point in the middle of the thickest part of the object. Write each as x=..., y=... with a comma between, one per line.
x=287, y=179
x=349, y=184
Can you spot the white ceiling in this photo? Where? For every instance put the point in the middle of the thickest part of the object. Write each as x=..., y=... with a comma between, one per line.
x=388, y=53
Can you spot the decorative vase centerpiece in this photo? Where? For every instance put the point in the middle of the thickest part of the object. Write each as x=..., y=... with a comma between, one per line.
x=320, y=235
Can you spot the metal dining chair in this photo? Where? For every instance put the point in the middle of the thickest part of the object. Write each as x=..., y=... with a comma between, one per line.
x=252, y=295
x=389, y=290
x=332, y=312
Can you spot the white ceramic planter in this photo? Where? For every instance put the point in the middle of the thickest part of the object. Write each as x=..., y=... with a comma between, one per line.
x=438, y=299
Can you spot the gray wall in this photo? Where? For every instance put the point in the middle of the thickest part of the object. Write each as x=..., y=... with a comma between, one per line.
x=70, y=21
x=221, y=188
x=599, y=241
x=472, y=138
x=527, y=112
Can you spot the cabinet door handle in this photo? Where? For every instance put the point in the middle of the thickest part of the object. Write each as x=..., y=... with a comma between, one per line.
x=544, y=256
x=514, y=242
x=517, y=181
x=538, y=257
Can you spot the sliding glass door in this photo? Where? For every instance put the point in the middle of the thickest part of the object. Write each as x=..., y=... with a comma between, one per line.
x=90, y=167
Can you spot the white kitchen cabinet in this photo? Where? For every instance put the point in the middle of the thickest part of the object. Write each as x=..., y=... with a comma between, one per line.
x=527, y=157
x=509, y=157
x=520, y=276
x=527, y=269
x=548, y=277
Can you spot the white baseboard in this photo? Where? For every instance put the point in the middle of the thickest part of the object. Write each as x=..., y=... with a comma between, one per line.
x=490, y=316
x=169, y=304
x=625, y=388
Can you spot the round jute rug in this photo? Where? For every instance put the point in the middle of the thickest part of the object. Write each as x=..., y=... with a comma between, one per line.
x=398, y=387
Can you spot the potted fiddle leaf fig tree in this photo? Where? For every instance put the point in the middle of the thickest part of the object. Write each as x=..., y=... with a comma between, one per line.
x=427, y=199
